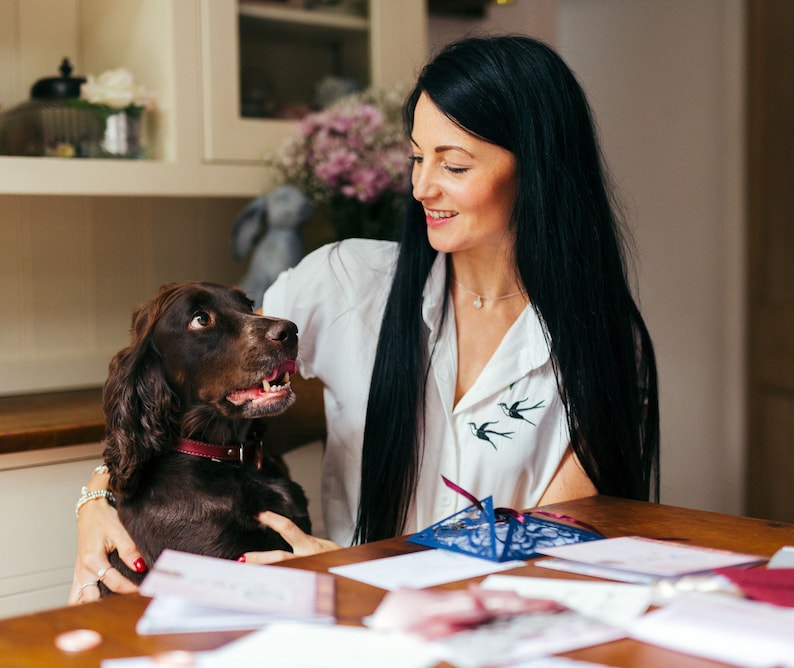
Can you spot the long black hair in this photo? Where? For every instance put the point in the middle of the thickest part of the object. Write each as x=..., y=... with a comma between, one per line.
x=517, y=93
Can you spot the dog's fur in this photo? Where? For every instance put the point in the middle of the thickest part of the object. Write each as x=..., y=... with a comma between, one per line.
x=195, y=369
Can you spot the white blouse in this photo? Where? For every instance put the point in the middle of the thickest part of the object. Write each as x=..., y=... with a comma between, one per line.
x=506, y=436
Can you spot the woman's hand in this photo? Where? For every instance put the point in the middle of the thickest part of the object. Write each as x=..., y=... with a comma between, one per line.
x=99, y=532
x=302, y=544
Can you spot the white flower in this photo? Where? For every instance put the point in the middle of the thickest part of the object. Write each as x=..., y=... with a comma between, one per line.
x=116, y=89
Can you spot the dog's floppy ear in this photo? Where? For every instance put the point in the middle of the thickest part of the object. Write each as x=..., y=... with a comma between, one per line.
x=139, y=405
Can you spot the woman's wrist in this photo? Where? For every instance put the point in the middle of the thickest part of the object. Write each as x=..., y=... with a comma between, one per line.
x=100, y=479
x=87, y=495
x=96, y=489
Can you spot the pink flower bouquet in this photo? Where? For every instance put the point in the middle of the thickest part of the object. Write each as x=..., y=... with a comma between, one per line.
x=353, y=156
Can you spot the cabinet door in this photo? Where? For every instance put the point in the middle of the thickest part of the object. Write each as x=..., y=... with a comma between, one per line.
x=397, y=48
x=38, y=525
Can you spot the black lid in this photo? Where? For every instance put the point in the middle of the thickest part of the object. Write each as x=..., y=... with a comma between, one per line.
x=61, y=87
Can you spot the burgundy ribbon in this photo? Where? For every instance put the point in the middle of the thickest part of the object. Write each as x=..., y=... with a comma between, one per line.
x=514, y=513
x=468, y=495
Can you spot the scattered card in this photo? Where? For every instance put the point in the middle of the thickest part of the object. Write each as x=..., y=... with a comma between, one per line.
x=631, y=558
x=722, y=628
x=211, y=594
x=613, y=603
x=421, y=569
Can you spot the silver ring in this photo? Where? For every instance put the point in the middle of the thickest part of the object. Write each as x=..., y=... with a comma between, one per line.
x=102, y=573
x=88, y=584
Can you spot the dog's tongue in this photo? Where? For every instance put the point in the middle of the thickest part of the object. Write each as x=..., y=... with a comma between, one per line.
x=240, y=397
x=285, y=367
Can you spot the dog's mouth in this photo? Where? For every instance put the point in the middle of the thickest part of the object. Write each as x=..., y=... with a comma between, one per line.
x=274, y=386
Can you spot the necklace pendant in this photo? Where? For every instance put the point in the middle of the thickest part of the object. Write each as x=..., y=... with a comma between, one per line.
x=477, y=303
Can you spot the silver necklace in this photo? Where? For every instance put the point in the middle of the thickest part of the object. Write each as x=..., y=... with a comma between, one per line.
x=477, y=303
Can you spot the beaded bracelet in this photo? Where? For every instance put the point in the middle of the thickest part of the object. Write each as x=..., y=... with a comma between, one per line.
x=94, y=494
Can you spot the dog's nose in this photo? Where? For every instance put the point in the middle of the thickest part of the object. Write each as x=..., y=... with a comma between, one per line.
x=281, y=330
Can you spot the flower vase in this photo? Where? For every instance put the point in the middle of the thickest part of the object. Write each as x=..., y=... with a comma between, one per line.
x=121, y=136
x=381, y=219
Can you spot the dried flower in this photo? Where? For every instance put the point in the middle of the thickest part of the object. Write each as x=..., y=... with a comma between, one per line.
x=355, y=149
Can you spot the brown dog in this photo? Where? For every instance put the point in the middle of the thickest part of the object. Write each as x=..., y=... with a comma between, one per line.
x=184, y=407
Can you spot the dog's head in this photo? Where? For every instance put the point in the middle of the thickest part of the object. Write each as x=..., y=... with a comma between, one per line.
x=200, y=363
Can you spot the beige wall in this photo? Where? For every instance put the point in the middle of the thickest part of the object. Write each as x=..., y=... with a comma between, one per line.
x=73, y=268
x=665, y=83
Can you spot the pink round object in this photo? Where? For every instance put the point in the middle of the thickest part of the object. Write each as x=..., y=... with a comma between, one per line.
x=78, y=640
x=173, y=659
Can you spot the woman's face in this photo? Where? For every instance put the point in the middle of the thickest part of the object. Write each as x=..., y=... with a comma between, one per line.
x=466, y=186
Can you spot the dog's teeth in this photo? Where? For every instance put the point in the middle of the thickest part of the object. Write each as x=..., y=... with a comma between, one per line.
x=265, y=386
x=286, y=378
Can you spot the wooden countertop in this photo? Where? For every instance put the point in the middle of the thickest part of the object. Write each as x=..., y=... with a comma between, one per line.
x=59, y=419
x=53, y=419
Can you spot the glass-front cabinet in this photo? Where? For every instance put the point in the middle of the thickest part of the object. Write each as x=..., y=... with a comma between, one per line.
x=292, y=58
x=285, y=55
x=231, y=77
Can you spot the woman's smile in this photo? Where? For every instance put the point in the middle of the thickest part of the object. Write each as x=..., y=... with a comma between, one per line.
x=436, y=218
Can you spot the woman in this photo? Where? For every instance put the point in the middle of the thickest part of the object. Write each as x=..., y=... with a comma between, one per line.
x=498, y=344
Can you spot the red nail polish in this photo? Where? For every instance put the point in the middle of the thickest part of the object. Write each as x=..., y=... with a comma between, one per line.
x=242, y=559
x=140, y=565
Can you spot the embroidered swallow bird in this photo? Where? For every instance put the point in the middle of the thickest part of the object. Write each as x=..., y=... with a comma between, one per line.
x=482, y=432
x=515, y=412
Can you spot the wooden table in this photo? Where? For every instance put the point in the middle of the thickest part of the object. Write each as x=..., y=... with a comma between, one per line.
x=27, y=641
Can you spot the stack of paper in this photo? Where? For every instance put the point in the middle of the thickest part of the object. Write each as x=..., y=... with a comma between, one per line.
x=197, y=593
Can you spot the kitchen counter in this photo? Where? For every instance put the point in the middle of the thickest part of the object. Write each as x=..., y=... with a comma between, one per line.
x=49, y=420
x=56, y=419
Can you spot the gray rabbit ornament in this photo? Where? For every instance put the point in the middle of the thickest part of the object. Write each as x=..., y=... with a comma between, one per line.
x=271, y=226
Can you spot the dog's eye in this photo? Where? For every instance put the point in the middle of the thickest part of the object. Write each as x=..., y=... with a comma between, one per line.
x=200, y=320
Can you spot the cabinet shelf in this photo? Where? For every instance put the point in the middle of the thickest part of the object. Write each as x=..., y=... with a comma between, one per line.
x=318, y=20
x=97, y=177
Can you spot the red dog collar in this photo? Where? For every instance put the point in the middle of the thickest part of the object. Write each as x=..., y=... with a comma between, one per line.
x=242, y=453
